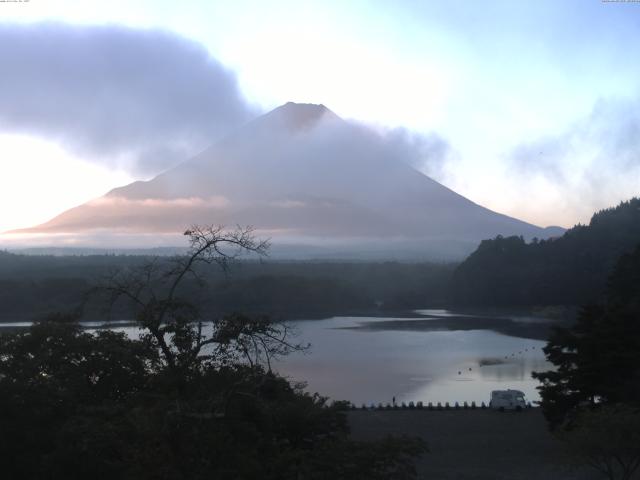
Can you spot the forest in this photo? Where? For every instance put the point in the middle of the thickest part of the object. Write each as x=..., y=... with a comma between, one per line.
x=177, y=394
x=568, y=270
x=33, y=285
x=178, y=402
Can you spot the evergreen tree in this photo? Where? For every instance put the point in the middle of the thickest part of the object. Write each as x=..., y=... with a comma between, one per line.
x=569, y=270
x=598, y=359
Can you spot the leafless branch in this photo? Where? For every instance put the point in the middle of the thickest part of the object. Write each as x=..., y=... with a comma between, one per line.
x=175, y=327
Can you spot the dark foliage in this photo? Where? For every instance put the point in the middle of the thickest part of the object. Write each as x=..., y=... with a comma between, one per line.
x=187, y=400
x=598, y=359
x=31, y=286
x=76, y=405
x=570, y=270
x=607, y=439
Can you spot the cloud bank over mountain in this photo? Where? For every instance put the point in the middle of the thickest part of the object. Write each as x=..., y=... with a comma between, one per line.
x=303, y=176
x=593, y=162
x=141, y=100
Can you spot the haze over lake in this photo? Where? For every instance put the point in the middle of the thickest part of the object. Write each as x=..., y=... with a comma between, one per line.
x=372, y=359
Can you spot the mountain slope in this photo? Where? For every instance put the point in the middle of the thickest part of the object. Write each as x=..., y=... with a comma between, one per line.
x=570, y=270
x=301, y=175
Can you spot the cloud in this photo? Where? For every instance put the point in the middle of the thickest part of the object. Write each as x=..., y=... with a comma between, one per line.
x=215, y=201
x=321, y=177
x=426, y=152
x=343, y=144
x=608, y=138
x=138, y=99
x=544, y=156
x=595, y=161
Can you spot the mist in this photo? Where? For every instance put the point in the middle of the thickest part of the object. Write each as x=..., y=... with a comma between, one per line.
x=141, y=100
x=303, y=176
x=592, y=163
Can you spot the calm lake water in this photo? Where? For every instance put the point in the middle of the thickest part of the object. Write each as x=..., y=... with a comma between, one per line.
x=366, y=365
x=351, y=359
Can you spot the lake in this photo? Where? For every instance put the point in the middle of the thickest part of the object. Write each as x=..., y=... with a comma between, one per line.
x=436, y=356
x=353, y=360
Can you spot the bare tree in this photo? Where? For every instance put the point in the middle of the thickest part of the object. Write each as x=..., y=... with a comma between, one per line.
x=175, y=327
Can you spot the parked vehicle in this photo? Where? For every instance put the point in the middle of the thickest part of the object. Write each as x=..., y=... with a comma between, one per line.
x=507, y=400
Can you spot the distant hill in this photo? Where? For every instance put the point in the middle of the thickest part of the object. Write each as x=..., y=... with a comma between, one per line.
x=305, y=178
x=571, y=269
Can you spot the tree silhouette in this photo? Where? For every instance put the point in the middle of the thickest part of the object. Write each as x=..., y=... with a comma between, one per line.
x=569, y=270
x=187, y=400
x=598, y=359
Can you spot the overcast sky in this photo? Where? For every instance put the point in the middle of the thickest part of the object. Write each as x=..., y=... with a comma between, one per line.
x=537, y=102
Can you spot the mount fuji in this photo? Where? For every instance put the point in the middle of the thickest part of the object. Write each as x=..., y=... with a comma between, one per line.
x=317, y=185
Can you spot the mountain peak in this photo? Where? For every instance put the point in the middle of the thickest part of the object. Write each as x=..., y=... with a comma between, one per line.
x=300, y=175
x=301, y=116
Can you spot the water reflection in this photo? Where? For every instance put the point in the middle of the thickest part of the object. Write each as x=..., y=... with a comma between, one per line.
x=373, y=366
x=439, y=313
x=350, y=360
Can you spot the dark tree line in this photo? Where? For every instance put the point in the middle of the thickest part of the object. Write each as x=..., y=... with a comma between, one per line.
x=592, y=397
x=570, y=270
x=186, y=400
x=598, y=358
x=31, y=286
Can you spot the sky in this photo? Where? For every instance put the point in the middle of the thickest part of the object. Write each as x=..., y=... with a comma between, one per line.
x=536, y=103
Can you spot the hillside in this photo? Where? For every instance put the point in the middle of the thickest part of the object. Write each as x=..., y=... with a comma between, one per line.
x=305, y=178
x=569, y=270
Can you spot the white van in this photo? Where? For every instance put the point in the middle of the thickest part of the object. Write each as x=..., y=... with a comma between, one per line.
x=507, y=400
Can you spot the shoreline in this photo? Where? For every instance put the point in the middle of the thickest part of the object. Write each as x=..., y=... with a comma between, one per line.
x=393, y=320
x=505, y=326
